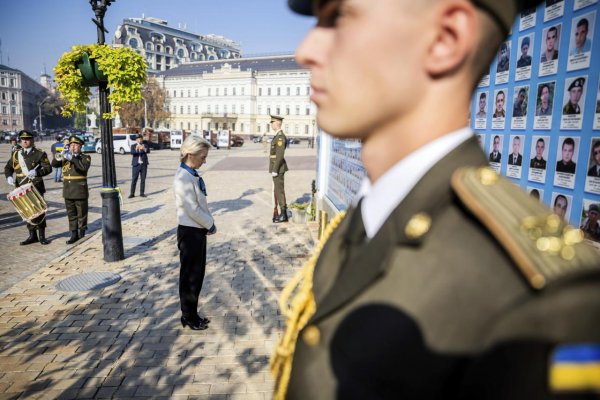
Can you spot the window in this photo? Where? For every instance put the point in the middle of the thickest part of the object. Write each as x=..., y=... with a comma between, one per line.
x=306, y=129
x=233, y=108
x=296, y=129
x=181, y=110
x=242, y=90
x=181, y=93
x=225, y=108
x=298, y=91
x=242, y=109
x=268, y=110
x=4, y=110
x=287, y=128
x=268, y=91
x=224, y=91
x=133, y=43
x=267, y=128
x=278, y=112
x=196, y=93
x=195, y=109
x=13, y=110
x=307, y=110
x=289, y=91
x=180, y=53
x=189, y=126
x=308, y=90
x=3, y=81
x=233, y=91
x=181, y=125
x=189, y=108
x=278, y=91
x=242, y=127
x=189, y=93
x=209, y=91
x=174, y=93
x=217, y=109
x=259, y=110
x=13, y=97
x=3, y=96
x=208, y=108
x=260, y=91
x=287, y=111
x=14, y=122
x=208, y=126
x=196, y=127
x=4, y=122
x=297, y=110
x=149, y=46
x=217, y=91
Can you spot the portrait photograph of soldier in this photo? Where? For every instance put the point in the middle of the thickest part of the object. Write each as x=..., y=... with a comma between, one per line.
x=525, y=52
x=561, y=205
x=527, y=18
x=545, y=97
x=590, y=220
x=495, y=155
x=536, y=193
x=537, y=158
x=553, y=9
x=573, y=100
x=499, y=115
x=566, y=166
x=481, y=113
x=580, y=42
x=597, y=109
x=481, y=140
x=520, y=103
x=592, y=180
x=515, y=158
x=503, y=63
x=549, y=50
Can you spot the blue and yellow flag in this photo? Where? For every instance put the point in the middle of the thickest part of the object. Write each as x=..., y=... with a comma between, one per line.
x=575, y=368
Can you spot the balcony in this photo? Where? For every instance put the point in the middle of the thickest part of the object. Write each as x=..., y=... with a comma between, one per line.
x=219, y=115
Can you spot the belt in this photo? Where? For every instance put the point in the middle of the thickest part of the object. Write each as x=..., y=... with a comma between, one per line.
x=74, y=177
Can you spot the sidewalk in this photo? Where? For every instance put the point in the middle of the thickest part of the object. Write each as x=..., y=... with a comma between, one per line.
x=126, y=341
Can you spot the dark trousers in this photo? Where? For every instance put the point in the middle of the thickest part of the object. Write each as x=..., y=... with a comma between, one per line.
x=139, y=171
x=279, y=189
x=191, y=243
x=77, y=213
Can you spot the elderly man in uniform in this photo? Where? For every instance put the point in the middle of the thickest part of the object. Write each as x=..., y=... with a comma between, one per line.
x=29, y=164
x=434, y=286
x=278, y=168
x=575, y=93
x=75, y=166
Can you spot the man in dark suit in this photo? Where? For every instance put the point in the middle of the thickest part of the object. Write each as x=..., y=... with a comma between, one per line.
x=139, y=166
x=75, y=166
x=515, y=158
x=566, y=164
x=495, y=155
x=29, y=164
x=595, y=169
x=433, y=286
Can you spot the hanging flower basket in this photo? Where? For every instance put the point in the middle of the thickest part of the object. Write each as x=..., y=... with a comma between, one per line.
x=122, y=69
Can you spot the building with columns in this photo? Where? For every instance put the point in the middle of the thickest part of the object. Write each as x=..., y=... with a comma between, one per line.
x=165, y=47
x=19, y=99
x=240, y=95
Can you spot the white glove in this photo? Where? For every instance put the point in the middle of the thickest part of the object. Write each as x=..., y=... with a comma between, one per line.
x=31, y=174
x=67, y=155
x=274, y=174
x=10, y=181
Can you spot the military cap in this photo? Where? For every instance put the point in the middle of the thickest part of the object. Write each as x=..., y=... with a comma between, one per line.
x=276, y=118
x=525, y=41
x=579, y=82
x=25, y=134
x=594, y=207
x=503, y=12
x=75, y=139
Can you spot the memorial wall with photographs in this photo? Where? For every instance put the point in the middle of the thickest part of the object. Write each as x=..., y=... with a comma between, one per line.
x=537, y=112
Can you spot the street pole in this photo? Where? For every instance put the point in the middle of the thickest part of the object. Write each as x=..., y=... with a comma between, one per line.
x=145, y=113
x=312, y=143
x=40, y=115
x=112, y=234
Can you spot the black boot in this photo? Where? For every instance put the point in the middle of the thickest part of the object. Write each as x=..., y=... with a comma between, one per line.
x=81, y=233
x=275, y=214
x=33, y=238
x=74, y=237
x=43, y=239
x=282, y=216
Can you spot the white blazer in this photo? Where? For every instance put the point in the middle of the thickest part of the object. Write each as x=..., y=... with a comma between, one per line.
x=190, y=202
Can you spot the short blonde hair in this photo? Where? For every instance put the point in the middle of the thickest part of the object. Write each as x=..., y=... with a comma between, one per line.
x=193, y=145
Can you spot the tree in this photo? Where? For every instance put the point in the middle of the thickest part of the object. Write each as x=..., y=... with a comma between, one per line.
x=132, y=114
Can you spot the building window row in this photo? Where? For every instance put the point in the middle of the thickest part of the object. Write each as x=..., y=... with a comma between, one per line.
x=288, y=91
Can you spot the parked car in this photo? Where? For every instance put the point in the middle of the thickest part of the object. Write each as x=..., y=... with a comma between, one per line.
x=236, y=141
x=121, y=143
x=89, y=143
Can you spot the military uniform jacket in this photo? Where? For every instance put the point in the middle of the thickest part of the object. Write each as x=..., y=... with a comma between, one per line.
x=570, y=109
x=440, y=313
x=33, y=159
x=75, y=171
x=535, y=163
x=276, y=161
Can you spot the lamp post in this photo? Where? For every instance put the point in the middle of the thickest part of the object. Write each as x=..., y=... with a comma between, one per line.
x=145, y=113
x=40, y=111
x=112, y=234
x=312, y=142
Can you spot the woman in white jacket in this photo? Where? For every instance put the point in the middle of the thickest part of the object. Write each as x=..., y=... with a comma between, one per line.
x=195, y=222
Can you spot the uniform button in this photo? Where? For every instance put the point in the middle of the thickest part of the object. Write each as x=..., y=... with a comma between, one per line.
x=311, y=336
x=418, y=225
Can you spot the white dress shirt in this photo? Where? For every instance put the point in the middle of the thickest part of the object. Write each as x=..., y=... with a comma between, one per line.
x=382, y=197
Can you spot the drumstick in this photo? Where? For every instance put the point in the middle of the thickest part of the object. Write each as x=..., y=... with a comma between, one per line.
x=31, y=180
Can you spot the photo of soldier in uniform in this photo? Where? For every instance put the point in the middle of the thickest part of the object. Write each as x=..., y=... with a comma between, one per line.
x=499, y=115
x=538, y=161
x=580, y=43
x=503, y=63
x=525, y=58
x=521, y=101
x=535, y=193
x=566, y=166
x=561, y=205
x=544, y=99
x=597, y=109
x=592, y=179
x=495, y=155
x=538, y=155
x=573, y=100
x=590, y=220
x=549, y=52
x=481, y=112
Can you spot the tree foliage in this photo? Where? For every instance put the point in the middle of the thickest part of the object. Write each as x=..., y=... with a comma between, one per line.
x=132, y=114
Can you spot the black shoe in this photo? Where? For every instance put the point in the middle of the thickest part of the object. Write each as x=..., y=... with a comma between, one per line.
x=43, y=239
x=143, y=195
x=33, y=238
x=282, y=217
x=81, y=233
x=195, y=326
x=205, y=320
x=74, y=237
x=131, y=196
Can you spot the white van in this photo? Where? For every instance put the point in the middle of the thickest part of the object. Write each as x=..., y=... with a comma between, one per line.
x=121, y=143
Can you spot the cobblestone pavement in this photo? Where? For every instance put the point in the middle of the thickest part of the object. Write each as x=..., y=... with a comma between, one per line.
x=125, y=341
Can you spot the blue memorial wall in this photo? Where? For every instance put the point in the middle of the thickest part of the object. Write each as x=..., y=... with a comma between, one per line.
x=537, y=113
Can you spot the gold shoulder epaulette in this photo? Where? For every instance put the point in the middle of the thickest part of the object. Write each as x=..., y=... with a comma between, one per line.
x=543, y=246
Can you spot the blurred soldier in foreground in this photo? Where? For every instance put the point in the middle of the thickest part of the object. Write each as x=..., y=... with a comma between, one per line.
x=75, y=166
x=445, y=281
x=29, y=164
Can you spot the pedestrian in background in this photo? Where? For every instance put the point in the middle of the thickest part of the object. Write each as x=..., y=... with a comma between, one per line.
x=278, y=167
x=195, y=222
x=75, y=166
x=57, y=148
x=139, y=165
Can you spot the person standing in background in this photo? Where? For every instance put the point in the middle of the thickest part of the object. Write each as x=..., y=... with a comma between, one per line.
x=278, y=167
x=139, y=165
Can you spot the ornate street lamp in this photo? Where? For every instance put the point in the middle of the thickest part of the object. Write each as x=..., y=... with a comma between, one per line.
x=112, y=235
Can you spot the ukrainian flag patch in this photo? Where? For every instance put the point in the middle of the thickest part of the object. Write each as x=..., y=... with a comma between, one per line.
x=575, y=368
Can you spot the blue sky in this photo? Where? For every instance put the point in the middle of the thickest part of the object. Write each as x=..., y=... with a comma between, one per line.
x=37, y=32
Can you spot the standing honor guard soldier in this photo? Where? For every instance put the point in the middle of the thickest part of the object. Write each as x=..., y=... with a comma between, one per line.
x=277, y=168
x=30, y=165
x=75, y=166
x=445, y=280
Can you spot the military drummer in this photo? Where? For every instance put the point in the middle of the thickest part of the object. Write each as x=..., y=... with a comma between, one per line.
x=29, y=164
x=445, y=281
x=75, y=166
x=278, y=168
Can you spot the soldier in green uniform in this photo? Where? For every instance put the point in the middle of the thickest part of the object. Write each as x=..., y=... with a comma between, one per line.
x=445, y=281
x=278, y=168
x=575, y=93
x=29, y=164
x=75, y=166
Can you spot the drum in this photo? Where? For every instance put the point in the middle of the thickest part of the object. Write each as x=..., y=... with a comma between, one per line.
x=29, y=202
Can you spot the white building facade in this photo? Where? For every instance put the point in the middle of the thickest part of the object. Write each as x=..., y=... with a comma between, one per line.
x=20, y=97
x=240, y=95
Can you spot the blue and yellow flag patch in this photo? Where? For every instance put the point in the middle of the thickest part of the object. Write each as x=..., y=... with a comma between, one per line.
x=575, y=368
